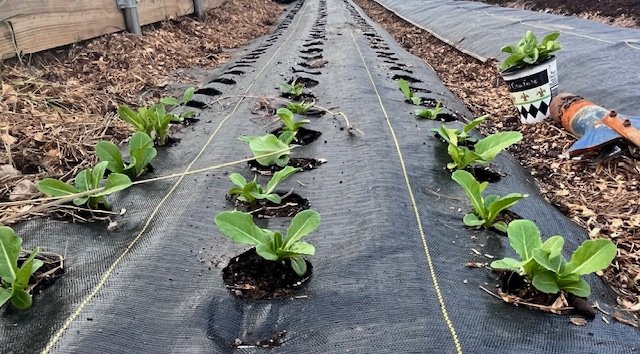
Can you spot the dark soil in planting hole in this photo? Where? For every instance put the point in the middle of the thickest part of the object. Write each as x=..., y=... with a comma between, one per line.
x=51, y=270
x=303, y=137
x=311, y=112
x=305, y=81
x=251, y=276
x=506, y=216
x=484, y=174
x=305, y=96
x=264, y=209
x=517, y=285
x=301, y=162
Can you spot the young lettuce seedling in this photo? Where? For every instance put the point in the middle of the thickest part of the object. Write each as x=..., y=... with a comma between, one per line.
x=172, y=102
x=429, y=113
x=272, y=245
x=528, y=51
x=288, y=119
x=268, y=144
x=248, y=192
x=485, y=210
x=154, y=121
x=87, y=180
x=408, y=95
x=484, y=150
x=300, y=107
x=141, y=152
x=545, y=267
x=15, y=280
x=456, y=136
x=294, y=89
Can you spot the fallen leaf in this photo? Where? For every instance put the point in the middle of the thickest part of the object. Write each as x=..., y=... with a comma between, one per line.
x=578, y=321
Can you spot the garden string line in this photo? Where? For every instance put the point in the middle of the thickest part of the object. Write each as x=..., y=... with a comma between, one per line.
x=430, y=265
x=103, y=279
x=54, y=201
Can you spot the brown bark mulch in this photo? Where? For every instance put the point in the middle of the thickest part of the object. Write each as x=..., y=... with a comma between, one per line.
x=602, y=198
x=56, y=105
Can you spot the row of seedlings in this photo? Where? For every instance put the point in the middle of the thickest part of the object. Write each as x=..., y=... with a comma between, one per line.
x=26, y=272
x=541, y=275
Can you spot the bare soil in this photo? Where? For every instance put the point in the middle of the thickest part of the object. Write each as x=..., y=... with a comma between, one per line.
x=620, y=13
x=249, y=275
x=601, y=197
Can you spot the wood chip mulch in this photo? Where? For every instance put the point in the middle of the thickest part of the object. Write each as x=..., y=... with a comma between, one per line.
x=56, y=105
x=603, y=198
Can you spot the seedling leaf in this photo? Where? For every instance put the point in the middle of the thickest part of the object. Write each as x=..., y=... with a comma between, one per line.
x=592, y=256
x=240, y=228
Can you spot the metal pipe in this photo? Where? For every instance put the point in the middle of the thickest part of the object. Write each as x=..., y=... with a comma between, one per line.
x=198, y=9
x=130, y=12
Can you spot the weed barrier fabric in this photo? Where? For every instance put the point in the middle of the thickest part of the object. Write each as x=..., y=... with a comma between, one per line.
x=598, y=61
x=373, y=290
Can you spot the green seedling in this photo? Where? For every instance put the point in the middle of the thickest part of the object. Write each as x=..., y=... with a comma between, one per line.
x=294, y=89
x=457, y=136
x=154, y=121
x=15, y=280
x=288, y=119
x=272, y=245
x=248, y=192
x=429, y=113
x=87, y=180
x=528, y=51
x=408, y=95
x=172, y=102
x=544, y=266
x=485, y=210
x=300, y=107
x=141, y=152
x=484, y=150
x=270, y=144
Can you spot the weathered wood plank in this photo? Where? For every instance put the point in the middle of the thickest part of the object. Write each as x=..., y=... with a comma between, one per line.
x=35, y=25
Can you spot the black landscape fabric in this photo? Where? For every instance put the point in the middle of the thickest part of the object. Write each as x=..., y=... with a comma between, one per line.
x=597, y=61
x=389, y=274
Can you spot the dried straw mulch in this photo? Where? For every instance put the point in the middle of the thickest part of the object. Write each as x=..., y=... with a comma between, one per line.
x=602, y=198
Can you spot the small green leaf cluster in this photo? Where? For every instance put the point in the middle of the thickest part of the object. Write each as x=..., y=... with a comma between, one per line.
x=141, y=152
x=300, y=107
x=270, y=144
x=545, y=267
x=456, y=136
x=408, y=94
x=89, y=179
x=289, y=121
x=485, y=150
x=294, y=89
x=485, y=210
x=273, y=245
x=153, y=121
x=528, y=51
x=15, y=280
x=429, y=113
x=248, y=192
x=171, y=102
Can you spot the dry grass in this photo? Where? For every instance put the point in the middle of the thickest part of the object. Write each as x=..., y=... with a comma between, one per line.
x=602, y=198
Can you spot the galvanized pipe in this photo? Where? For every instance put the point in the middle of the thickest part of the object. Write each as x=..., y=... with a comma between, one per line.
x=198, y=9
x=130, y=11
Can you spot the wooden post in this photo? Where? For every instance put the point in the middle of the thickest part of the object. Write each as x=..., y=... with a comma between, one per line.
x=130, y=11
